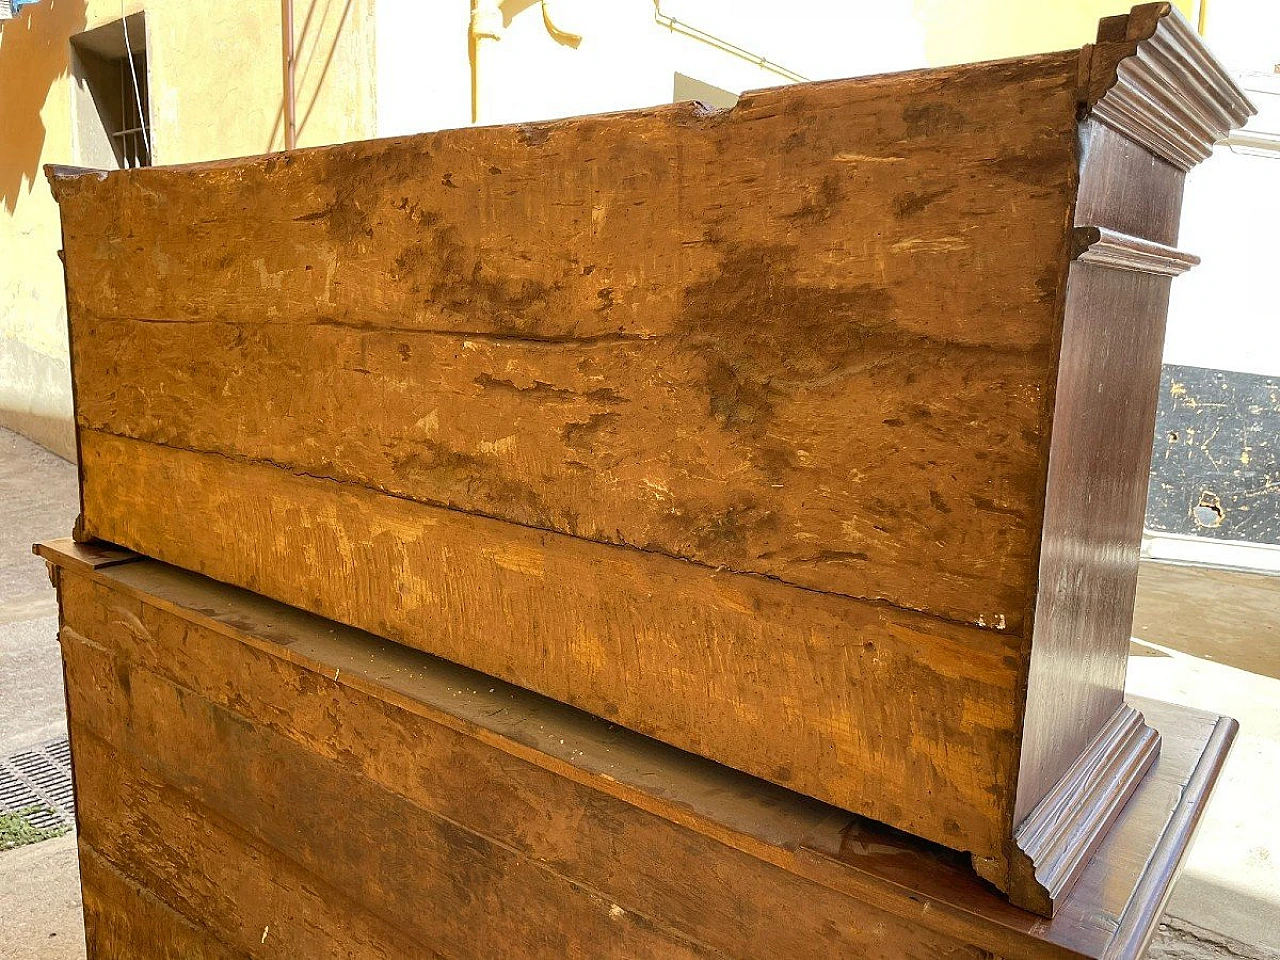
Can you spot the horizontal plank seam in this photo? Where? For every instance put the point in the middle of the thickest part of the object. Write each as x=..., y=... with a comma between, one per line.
x=495, y=336
x=875, y=602
x=128, y=879
x=157, y=771
x=903, y=335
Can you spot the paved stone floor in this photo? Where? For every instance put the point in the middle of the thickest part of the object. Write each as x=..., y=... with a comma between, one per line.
x=1211, y=639
x=1206, y=638
x=40, y=902
x=39, y=885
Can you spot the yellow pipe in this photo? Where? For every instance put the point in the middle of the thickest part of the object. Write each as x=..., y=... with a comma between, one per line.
x=485, y=31
x=290, y=68
x=551, y=20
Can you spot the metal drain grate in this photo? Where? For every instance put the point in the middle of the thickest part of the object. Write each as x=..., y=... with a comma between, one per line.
x=36, y=783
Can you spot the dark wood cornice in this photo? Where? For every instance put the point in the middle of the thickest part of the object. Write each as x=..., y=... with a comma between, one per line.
x=1150, y=77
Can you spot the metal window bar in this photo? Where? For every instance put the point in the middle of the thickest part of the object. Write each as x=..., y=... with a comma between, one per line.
x=131, y=140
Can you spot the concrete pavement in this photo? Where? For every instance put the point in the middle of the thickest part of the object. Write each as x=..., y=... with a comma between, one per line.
x=40, y=915
x=1196, y=629
x=38, y=500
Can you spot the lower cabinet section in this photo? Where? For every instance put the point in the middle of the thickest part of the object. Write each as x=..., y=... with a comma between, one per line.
x=252, y=780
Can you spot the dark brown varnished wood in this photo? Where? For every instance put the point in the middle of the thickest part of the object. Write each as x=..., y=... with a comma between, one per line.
x=1141, y=132
x=238, y=762
x=808, y=436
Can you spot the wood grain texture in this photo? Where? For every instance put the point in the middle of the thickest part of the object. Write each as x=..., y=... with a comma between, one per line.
x=121, y=917
x=659, y=329
x=201, y=712
x=1137, y=86
x=1125, y=188
x=486, y=898
x=593, y=626
x=211, y=872
x=751, y=403
x=1089, y=561
x=762, y=431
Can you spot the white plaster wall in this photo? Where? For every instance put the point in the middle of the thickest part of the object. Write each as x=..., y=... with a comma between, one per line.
x=422, y=64
x=626, y=57
x=1225, y=314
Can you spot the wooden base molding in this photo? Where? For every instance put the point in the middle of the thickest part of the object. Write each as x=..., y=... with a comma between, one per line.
x=1065, y=828
x=254, y=780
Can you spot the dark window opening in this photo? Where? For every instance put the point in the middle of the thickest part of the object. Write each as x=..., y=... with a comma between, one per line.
x=111, y=112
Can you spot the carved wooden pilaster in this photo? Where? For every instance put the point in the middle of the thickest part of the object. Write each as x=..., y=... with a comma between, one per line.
x=1153, y=102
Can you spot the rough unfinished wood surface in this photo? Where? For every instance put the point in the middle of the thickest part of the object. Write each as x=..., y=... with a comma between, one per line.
x=773, y=676
x=659, y=329
x=238, y=763
x=740, y=428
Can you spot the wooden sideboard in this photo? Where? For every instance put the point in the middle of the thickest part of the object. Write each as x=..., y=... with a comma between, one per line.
x=810, y=436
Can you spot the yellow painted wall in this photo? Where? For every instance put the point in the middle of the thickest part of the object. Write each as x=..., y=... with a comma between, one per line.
x=994, y=29
x=215, y=76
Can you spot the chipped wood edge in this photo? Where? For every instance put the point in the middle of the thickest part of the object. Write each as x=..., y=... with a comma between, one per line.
x=1053, y=844
x=1151, y=78
x=60, y=174
x=1110, y=248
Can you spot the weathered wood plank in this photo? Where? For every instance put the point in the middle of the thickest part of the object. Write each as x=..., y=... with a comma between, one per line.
x=501, y=902
x=835, y=483
x=121, y=917
x=449, y=891
x=259, y=902
x=786, y=339
x=592, y=625
x=507, y=764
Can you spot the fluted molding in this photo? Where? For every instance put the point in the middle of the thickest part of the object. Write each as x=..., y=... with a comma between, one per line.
x=1151, y=78
x=1110, y=248
x=1063, y=830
